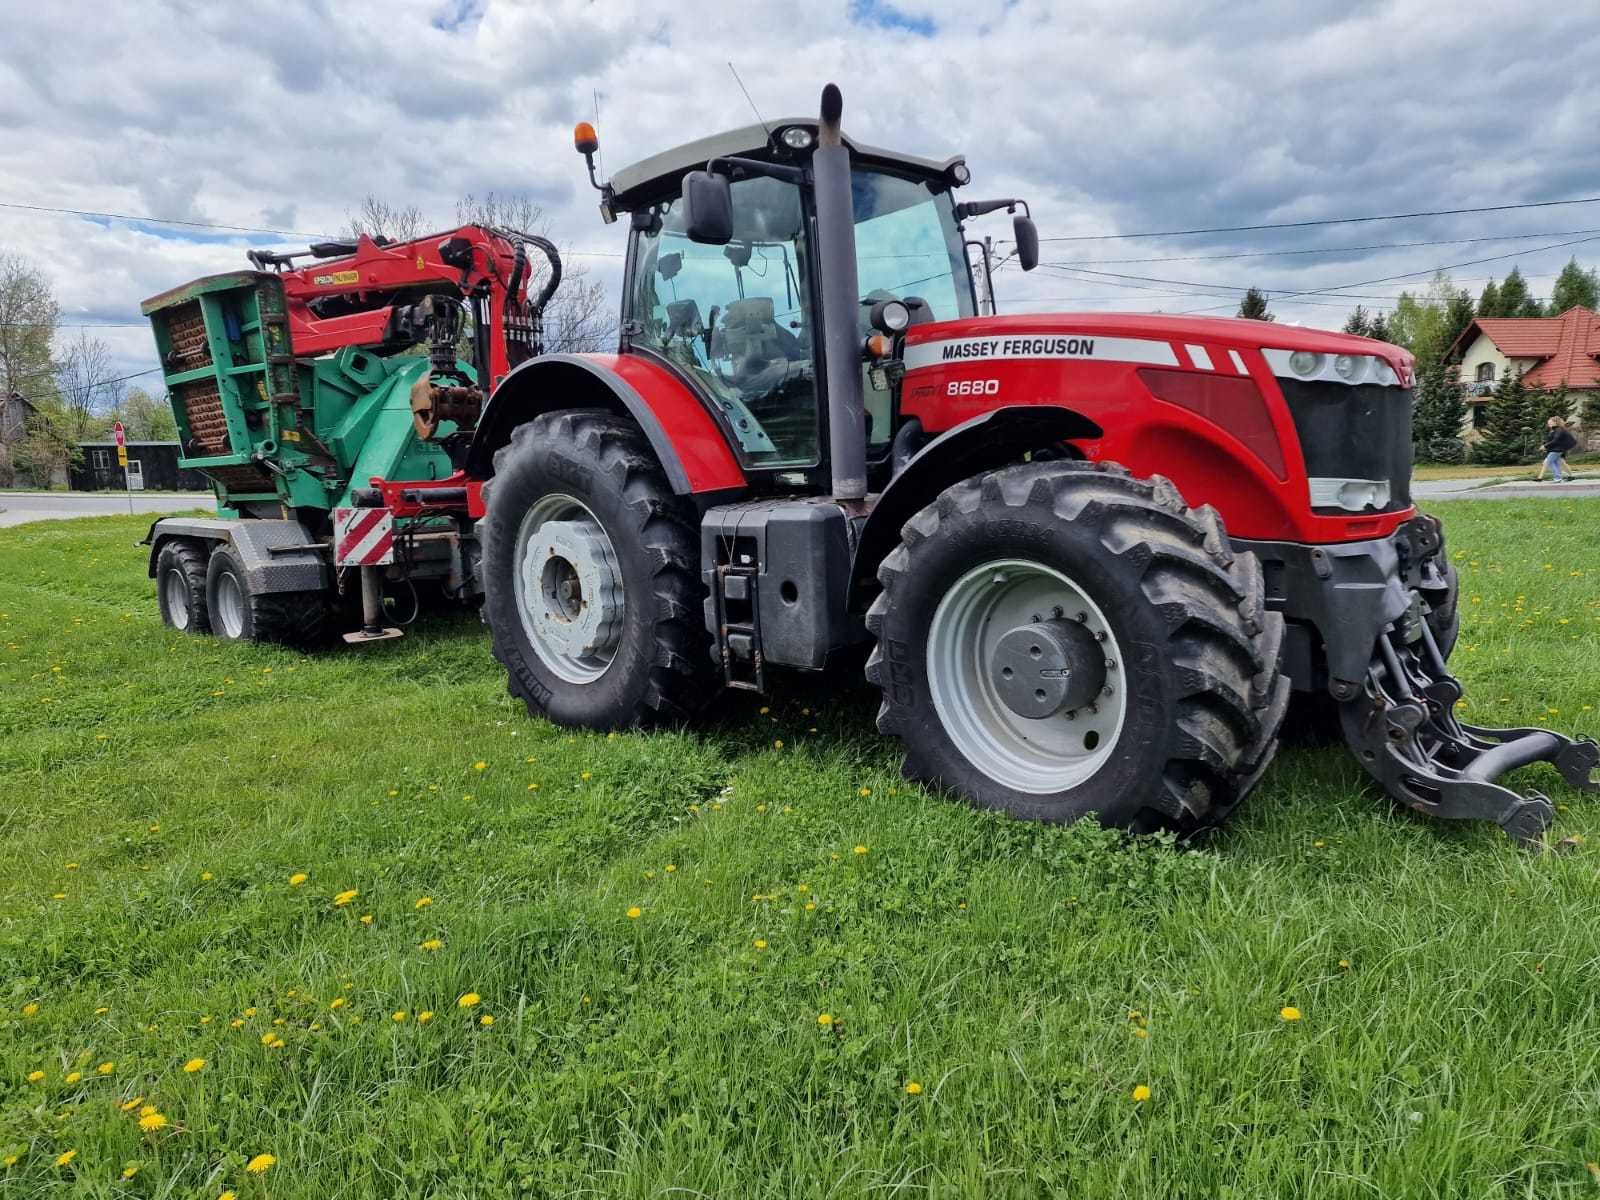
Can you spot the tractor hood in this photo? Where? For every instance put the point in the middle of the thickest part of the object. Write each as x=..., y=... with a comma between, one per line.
x=1145, y=338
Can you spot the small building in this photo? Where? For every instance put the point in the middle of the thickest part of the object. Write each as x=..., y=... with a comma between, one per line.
x=15, y=410
x=1546, y=352
x=152, y=466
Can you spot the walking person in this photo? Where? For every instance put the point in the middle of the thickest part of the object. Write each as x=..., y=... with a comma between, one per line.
x=1558, y=440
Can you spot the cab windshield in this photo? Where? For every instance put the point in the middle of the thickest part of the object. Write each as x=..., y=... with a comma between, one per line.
x=739, y=318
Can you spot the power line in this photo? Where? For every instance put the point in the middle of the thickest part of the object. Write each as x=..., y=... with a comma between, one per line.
x=1505, y=237
x=98, y=383
x=1408, y=216
x=113, y=216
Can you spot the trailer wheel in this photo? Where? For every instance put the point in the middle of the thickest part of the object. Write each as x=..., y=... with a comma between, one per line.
x=591, y=578
x=1060, y=639
x=181, y=586
x=240, y=614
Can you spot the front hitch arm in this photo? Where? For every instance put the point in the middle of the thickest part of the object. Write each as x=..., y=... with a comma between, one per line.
x=1403, y=729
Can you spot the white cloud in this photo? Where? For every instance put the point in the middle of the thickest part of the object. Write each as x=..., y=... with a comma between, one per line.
x=1106, y=116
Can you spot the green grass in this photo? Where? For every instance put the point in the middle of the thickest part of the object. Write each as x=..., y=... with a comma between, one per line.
x=167, y=788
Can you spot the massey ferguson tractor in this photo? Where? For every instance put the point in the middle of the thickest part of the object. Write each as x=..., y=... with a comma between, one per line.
x=1086, y=557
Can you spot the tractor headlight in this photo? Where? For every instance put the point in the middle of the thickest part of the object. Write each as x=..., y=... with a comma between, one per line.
x=1353, y=369
x=1305, y=364
x=797, y=137
x=890, y=316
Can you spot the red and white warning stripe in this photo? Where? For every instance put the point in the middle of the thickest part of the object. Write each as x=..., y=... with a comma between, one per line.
x=363, y=537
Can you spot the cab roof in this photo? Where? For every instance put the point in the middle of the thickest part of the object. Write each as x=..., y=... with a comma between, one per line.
x=639, y=181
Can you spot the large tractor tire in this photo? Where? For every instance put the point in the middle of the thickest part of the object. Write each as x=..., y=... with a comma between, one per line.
x=181, y=586
x=591, y=576
x=240, y=614
x=1056, y=640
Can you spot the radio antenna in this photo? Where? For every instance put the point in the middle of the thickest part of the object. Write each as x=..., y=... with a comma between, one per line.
x=752, y=103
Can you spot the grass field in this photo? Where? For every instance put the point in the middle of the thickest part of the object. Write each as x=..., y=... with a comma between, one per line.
x=256, y=903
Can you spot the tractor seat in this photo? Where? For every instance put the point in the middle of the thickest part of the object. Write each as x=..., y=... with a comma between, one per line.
x=749, y=329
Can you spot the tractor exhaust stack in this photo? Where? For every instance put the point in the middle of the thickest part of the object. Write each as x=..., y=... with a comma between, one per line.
x=841, y=334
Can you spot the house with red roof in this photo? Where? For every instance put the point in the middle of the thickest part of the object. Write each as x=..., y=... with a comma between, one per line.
x=1546, y=351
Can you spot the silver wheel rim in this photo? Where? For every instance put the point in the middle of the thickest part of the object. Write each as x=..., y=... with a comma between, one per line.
x=176, y=589
x=569, y=589
x=1038, y=756
x=230, y=604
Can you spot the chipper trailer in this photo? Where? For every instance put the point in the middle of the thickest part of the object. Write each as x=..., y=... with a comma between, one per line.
x=1088, y=558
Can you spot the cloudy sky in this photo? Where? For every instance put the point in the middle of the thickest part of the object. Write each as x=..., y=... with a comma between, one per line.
x=1112, y=117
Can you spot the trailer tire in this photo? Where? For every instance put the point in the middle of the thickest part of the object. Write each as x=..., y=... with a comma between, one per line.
x=1144, y=596
x=647, y=657
x=240, y=614
x=181, y=586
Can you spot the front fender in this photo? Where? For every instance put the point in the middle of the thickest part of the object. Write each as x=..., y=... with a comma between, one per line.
x=988, y=441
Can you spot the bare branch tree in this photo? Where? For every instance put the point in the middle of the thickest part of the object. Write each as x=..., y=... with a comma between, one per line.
x=28, y=314
x=88, y=384
x=378, y=218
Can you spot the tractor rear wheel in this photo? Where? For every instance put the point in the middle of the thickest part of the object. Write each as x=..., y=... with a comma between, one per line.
x=181, y=586
x=1060, y=639
x=591, y=578
x=239, y=613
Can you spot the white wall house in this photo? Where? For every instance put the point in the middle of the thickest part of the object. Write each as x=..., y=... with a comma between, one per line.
x=1546, y=351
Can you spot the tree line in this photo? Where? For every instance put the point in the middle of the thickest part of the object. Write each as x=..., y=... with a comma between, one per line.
x=1430, y=323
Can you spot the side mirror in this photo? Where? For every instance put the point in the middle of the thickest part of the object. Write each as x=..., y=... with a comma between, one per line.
x=707, y=208
x=1026, y=235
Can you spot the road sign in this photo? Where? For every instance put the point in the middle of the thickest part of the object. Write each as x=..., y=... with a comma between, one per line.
x=122, y=454
x=122, y=439
x=363, y=537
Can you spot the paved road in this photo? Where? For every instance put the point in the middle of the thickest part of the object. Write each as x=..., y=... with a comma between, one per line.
x=18, y=508
x=1502, y=489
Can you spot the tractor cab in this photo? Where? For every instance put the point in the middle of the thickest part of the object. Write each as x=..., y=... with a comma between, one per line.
x=736, y=312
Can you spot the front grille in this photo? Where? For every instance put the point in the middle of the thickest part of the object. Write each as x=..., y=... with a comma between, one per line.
x=1349, y=432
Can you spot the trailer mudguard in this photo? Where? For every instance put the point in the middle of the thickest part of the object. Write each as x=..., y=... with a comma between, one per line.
x=686, y=439
x=272, y=552
x=988, y=441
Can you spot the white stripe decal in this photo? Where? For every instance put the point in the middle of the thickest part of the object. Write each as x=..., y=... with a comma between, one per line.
x=1238, y=362
x=1198, y=355
x=1089, y=347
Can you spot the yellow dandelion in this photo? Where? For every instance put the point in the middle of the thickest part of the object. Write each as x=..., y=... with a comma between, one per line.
x=152, y=1122
x=425, y=1016
x=866, y=791
x=72, y=866
x=398, y=1017
x=861, y=849
x=671, y=867
x=1289, y=1012
x=778, y=744
x=635, y=913
x=59, y=896
x=229, y=1195
x=74, y=1076
x=129, y=1171
x=65, y=1157
x=479, y=765
x=236, y=1023
x=260, y=1164
x=251, y=1011
x=586, y=775
x=336, y=1002
x=486, y=1020
x=913, y=1088
x=106, y=1068
x=147, y=1110
x=277, y=1042
x=824, y=1019
x=811, y=905
x=101, y=1011
x=298, y=878
x=432, y=944
x=266, y=1038
x=130, y=1105
x=206, y=876
x=423, y=901
x=35, y=1076
x=344, y=898
x=1141, y=1094
x=761, y=943
x=193, y=1065
x=1139, y=1033
x=1344, y=964
x=469, y=1000
x=366, y=918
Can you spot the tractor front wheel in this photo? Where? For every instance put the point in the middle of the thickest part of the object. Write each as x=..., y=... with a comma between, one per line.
x=591, y=580
x=1060, y=639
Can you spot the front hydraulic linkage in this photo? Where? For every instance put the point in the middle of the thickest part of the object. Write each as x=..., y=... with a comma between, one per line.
x=1403, y=728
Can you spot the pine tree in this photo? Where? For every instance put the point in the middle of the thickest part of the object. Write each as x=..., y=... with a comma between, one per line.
x=1511, y=425
x=1551, y=402
x=1379, y=329
x=1459, y=314
x=1440, y=409
x=1574, y=287
x=1515, y=298
x=1254, y=306
x=1489, y=302
x=1359, y=323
